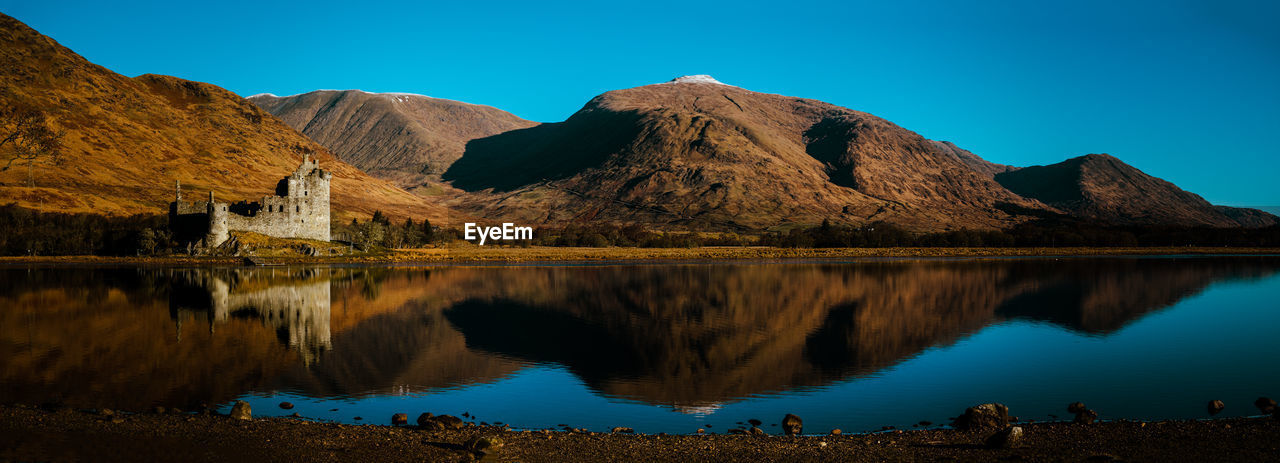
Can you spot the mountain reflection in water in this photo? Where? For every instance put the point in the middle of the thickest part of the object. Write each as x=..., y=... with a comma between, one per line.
x=692, y=337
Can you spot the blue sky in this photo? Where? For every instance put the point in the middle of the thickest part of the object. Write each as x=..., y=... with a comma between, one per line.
x=1186, y=91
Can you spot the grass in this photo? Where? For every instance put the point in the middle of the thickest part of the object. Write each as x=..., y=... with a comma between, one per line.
x=472, y=253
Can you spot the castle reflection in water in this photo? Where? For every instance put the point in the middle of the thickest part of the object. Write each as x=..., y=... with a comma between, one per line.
x=292, y=301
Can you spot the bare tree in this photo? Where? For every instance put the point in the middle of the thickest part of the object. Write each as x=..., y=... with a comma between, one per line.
x=27, y=136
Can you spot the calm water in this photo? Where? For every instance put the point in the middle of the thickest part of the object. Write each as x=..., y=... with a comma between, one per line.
x=661, y=347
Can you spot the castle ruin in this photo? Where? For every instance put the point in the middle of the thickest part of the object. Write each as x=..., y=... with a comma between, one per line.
x=299, y=209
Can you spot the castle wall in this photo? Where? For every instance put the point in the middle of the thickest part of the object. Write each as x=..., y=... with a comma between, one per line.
x=300, y=210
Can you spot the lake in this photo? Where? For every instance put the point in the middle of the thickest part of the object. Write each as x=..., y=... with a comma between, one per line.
x=660, y=347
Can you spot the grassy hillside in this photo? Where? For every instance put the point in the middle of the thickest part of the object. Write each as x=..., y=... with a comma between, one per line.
x=128, y=139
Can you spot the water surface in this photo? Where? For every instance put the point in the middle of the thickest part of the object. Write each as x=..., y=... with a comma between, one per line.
x=659, y=347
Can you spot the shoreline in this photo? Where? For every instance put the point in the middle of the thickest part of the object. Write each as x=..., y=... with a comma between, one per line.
x=30, y=433
x=537, y=254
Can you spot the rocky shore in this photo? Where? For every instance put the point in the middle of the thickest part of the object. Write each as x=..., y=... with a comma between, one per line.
x=65, y=434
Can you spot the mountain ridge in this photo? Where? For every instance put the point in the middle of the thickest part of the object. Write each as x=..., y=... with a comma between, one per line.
x=688, y=153
x=1103, y=188
x=127, y=140
x=713, y=155
x=390, y=135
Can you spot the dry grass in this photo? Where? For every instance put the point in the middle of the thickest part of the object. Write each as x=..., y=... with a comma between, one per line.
x=477, y=254
x=128, y=139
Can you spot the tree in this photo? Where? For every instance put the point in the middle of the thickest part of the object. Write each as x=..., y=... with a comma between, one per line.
x=147, y=242
x=378, y=217
x=428, y=233
x=27, y=136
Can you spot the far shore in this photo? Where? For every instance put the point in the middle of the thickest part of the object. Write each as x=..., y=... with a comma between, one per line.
x=465, y=254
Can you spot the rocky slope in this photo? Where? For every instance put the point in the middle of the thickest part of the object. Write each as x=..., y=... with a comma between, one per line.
x=1102, y=188
x=697, y=153
x=975, y=162
x=406, y=138
x=128, y=139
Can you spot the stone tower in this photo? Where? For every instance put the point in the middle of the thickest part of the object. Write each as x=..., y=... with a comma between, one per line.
x=299, y=209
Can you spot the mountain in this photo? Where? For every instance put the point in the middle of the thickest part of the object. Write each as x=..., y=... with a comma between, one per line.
x=982, y=166
x=402, y=137
x=1102, y=188
x=128, y=139
x=697, y=153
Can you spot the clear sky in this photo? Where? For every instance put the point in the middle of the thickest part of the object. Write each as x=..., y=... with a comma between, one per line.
x=1186, y=91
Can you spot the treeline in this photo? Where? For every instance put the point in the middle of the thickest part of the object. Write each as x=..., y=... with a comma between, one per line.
x=633, y=235
x=25, y=232
x=1043, y=233
x=28, y=232
x=380, y=232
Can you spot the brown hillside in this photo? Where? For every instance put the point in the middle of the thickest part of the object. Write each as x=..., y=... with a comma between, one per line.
x=975, y=162
x=696, y=153
x=1101, y=187
x=128, y=139
x=402, y=137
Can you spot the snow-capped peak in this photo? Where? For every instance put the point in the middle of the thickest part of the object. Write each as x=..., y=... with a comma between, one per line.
x=272, y=95
x=696, y=79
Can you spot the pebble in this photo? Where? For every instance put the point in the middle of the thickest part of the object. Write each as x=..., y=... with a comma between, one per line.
x=1265, y=404
x=1006, y=438
x=1215, y=407
x=1076, y=407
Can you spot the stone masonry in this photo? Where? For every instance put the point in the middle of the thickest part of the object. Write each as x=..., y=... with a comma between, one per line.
x=299, y=209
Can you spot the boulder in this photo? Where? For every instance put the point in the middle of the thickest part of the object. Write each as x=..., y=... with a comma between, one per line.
x=449, y=421
x=1215, y=407
x=623, y=430
x=483, y=445
x=286, y=405
x=836, y=432
x=399, y=419
x=241, y=411
x=425, y=418
x=755, y=431
x=700, y=431
x=1076, y=407
x=983, y=417
x=792, y=425
x=755, y=422
x=1086, y=417
x=1006, y=438
x=1265, y=404
x=159, y=410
